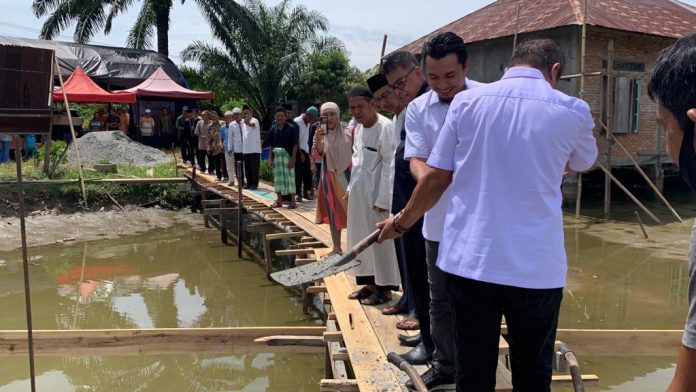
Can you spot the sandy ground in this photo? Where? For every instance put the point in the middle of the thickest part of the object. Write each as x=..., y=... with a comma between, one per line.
x=47, y=227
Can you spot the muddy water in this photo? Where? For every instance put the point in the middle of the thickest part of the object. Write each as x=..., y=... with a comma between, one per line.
x=177, y=277
x=184, y=277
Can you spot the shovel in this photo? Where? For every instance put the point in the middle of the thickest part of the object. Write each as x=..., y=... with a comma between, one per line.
x=323, y=268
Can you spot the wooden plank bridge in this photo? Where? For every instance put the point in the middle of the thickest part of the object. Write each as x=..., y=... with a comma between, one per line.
x=358, y=338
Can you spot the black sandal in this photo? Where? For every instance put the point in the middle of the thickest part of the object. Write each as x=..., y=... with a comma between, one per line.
x=363, y=293
x=376, y=298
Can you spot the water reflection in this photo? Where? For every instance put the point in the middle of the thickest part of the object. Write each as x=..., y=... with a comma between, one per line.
x=165, y=278
x=177, y=277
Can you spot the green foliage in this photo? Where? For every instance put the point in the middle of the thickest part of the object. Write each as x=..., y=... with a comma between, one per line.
x=231, y=104
x=57, y=147
x=266, y=172
x=262, y=56
x=328, y=76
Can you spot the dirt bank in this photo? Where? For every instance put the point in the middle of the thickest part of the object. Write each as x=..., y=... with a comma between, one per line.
x=48, y=227
x=669, y=240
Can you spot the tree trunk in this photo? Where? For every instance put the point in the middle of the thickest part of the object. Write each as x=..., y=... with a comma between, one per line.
x=162, y=10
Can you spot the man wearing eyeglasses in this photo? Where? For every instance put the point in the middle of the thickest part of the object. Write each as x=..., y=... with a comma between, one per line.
x=405, y=77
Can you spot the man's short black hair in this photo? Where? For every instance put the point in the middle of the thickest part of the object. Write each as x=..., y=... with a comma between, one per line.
x=540, y=53
x=443, y=44
x=400, y=58
x=361, y=91
x=279, y=109
x=673, y=80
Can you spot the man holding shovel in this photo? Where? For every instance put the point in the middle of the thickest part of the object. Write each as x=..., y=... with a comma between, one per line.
x=502, y=151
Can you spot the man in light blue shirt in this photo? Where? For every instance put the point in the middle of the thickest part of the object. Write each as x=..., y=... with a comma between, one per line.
x=503, y=150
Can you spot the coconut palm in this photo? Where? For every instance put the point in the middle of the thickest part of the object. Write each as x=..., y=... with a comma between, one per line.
x=264, y=58
x=92, y=16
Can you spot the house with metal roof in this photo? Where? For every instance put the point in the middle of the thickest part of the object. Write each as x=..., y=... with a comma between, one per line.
x=637, y=31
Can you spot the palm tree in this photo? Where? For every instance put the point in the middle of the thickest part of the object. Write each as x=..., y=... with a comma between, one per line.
x=92, y=16
x=264, y=58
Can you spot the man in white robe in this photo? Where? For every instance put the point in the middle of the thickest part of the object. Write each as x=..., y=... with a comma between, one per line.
x=370, y=199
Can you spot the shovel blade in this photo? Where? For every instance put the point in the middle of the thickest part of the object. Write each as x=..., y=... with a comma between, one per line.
x=315, y=271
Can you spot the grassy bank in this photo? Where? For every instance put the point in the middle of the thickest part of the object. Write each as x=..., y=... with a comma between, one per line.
x=68, y=198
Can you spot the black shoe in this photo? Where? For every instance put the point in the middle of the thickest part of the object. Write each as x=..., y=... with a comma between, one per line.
x=409, y=341
x=434, y=380
x=419, y=355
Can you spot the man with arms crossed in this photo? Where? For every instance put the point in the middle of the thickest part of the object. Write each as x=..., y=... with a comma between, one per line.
x=503, y=150
x=673, y=87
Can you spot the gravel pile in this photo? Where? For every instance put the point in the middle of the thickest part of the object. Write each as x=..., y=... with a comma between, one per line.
x=115, y=147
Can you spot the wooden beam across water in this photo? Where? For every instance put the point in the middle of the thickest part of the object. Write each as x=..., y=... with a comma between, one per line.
x=156, y=341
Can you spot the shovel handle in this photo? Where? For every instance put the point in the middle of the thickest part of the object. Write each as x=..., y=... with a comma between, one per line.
x=365, y=242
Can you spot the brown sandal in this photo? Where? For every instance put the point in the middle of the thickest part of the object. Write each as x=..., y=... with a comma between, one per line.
x=393, y=310
x=408, y=324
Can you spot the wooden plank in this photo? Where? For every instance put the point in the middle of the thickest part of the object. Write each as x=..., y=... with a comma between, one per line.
x=622, y=342
x=278, y=236
x=302, y=261
x=316, y=289
x=154, y=340
x=332, y=385
x=564, y=380
x=291, y=252
x=290, y=340
x=372, y=370
x=333, y=336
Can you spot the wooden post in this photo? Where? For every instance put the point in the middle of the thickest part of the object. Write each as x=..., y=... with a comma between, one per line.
x=384, y=47
x=645, y=176
x=239, y=210
x=581, y=94
x=223, y=228
x=609, y=110
x=25, y=264
x=72, y=132
x=268, y=257
x=628, y=193
x=206, y=222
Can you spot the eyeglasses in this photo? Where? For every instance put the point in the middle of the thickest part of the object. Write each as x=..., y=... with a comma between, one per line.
x=400, y=83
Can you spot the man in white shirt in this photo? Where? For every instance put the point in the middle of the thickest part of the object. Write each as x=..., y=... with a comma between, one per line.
x=236, y=143
x=303, y=172
x=251, y=148
x=503, y=150
x=227, y=131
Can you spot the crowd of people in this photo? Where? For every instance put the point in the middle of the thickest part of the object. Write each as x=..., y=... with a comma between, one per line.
x=465, y=183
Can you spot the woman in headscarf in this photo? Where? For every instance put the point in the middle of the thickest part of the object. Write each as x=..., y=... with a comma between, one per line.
x=333, y=147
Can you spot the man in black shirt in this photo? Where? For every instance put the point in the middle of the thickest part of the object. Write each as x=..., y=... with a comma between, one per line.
x=283, y=141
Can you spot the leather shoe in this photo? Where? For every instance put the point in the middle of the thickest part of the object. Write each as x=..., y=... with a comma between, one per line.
x=419, y=355
x=409, y=340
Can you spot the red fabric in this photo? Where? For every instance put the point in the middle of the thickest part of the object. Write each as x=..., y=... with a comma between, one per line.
x=159, y=84
x=80, y=88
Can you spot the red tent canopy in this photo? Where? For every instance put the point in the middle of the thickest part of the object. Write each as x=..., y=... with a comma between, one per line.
x=80, y=88
x=159, y=84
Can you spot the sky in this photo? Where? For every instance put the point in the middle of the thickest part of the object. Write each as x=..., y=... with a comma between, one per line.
x=360, y=24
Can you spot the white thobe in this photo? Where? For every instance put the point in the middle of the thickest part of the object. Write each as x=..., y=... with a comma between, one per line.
x=369, y=188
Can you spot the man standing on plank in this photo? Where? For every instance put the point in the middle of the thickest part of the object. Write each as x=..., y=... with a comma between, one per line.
x=284, y=145
x=368, y=199
x=503, y=150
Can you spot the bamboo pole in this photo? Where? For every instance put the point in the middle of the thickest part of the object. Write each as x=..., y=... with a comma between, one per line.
x=25, y=265
x=581, y=94
x=384, y=48
x=240, y=215
x=644, y=175
x=72, y=132
x=517, y=28
x=628, y=193
x=609, y=107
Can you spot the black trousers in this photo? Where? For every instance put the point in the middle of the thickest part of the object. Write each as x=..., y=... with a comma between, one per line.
x=303, y=175
x=251, y=169
x=217, y=161
x=200, y=158
x=532, y=318
x=239, y=157
x=417, y=288
x=187, y=153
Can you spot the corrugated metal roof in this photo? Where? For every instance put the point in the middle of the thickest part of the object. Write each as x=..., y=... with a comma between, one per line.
x=668, y=18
